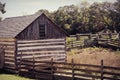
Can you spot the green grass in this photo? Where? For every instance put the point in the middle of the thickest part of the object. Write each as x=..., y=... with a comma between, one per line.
x=11, y=77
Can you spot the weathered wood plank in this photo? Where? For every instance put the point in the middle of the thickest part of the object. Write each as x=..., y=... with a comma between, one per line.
x=42, y=55
x=43, y=52
x=42, y=41
x=11, y=63
x=5, y=43
x=41, y=47
x=9, y=52
x=45, y=49
x=6, y=40
x=41, y=44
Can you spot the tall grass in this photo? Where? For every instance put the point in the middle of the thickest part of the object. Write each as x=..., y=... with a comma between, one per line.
x=11, y=77
x=94, y=55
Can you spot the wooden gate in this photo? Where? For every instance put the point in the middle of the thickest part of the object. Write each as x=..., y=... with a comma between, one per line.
x=1, y=58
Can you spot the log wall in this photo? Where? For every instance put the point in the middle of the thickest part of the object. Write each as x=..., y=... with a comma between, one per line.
x=42, y=50
x=9, y=46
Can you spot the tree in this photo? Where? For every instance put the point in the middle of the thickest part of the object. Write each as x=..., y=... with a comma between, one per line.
x=86, y=18
x=2, y=8
x=117, y=15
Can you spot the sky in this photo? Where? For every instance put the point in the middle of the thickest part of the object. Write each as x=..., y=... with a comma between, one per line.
x=25, y=7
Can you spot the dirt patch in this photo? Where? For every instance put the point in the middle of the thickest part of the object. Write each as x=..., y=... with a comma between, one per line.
x=94, y=56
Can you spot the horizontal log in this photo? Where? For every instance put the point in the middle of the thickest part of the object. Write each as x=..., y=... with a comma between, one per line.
x=7, y=43
x=7, y=40
x=37, y=65
x=87, y=75
x=45, y=59
x=38, y=41
x=12, y=57
x=112, y=73
x=75, y=69
x=110, y=78
x=9, y=60
x=87, y=70
x=8, y=46
x=11, y=63
x=13, y=49
x=88, y=65
x=41, y=55
x=9, y=51
x=43, y=52
x=41, y=44
x=41, y=47
x=85, y=65
x=9, y=55
x=9, y=68
x=109, y=67
x=63, y=72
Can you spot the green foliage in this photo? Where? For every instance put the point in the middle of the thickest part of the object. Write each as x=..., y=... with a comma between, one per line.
x=86, y=18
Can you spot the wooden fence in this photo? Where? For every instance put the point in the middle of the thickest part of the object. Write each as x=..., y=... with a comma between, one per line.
x=9, y=47
x=50, y=70
x=75, y=44
x=42, y=49
x=104, y=38
x=110, y=42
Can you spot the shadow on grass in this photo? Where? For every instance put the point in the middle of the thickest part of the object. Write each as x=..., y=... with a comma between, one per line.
x=5, y=75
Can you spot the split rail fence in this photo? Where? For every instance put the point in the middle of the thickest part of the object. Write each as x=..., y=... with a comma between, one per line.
x=104, y=38
x=50, y=70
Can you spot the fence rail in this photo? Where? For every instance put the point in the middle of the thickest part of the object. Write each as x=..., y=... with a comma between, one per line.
x=67, y=71
x=105, y=38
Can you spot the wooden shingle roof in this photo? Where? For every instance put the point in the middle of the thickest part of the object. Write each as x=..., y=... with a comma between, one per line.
x=10, y=27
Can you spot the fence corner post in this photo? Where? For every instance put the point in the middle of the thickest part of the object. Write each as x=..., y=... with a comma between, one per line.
x=102, y=69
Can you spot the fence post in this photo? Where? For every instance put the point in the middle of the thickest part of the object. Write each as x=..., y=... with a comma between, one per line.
x=72, y=43
x=102, y=69
x=16, y=60
x=89, y=36
x=33, y=66
x=52, y=71
x=100, y=35
x=72, y=69
x=119, y=40
x=77, y=37
x=110, y=36
x=20, y=63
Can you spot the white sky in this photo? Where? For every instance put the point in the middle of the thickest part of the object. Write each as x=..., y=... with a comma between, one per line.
x=24, y=7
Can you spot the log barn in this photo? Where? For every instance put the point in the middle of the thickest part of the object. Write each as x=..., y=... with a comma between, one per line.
x=32, y=35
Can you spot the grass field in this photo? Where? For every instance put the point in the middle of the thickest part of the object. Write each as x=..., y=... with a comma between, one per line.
x=11, y=77
x=94, y=56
